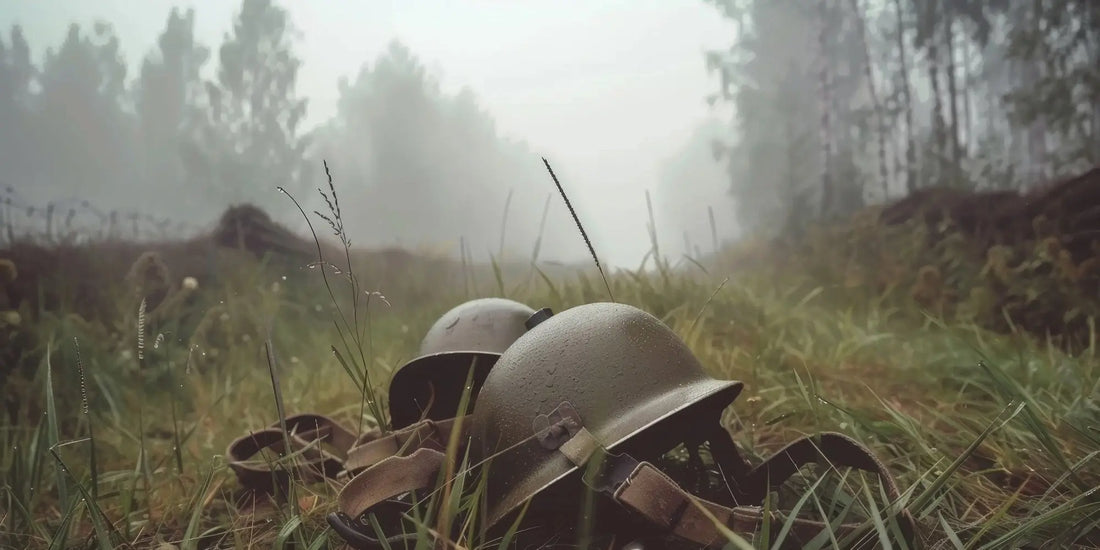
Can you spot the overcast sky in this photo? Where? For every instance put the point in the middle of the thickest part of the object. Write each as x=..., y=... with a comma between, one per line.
x=606, y=90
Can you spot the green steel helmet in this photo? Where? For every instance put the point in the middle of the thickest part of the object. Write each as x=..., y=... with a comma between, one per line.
x=473, y=333
x=618, y=371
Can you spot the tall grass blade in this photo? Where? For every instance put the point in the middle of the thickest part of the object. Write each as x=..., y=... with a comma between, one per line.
x=553, y=288
x=542, y=228
x=277, y=388
x=652, y=227
x=1037, y=522
x=697, y=264
x=713, y=229
x=920, y=504
x=190, y=536
x=84, y=407
x=1014, y=390
x=703, y=309
x=352, y=373
x=103, y=528
x=288, y=529
x=952, y=536
x=506, y=539
x=792, y=516
x=499, y=276
x=177, y=445
x=584, y=235
x=60, y=539
x=54, y=436
x=504, y=223
x=465, y=266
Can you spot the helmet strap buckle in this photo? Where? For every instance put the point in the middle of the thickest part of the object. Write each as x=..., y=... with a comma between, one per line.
x=560, y=425
x=562, y=430
x=606, y=472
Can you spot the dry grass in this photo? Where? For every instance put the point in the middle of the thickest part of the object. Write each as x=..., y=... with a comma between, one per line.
x=993, y=436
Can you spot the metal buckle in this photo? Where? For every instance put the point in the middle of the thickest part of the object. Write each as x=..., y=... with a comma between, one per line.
x=554, y=429
x=345, y=526
x=604, y=472
x=609, y=472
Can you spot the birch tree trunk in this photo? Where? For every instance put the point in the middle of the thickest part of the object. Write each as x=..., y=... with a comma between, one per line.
x=826, y=108
x=968, y=120
x=939, y=127
x=910, y=142
x=952, y=87
x=880, y=116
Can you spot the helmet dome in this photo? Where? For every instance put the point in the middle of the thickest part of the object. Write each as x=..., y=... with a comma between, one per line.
x=473, y=333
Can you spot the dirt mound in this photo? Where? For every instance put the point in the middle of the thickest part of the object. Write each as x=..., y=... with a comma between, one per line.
x=249, y=228
x=1009, y=261
x=1068, y=210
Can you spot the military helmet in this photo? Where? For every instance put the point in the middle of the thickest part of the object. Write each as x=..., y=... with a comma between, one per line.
x=592, y=395
x=620, y=372
x=473, y=333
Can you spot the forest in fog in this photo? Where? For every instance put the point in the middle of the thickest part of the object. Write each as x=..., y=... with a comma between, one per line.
x=835, y=104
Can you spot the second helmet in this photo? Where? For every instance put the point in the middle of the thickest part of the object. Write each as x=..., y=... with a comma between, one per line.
x=474, y=333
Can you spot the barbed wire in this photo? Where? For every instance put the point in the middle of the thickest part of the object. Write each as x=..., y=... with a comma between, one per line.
x=75, y=220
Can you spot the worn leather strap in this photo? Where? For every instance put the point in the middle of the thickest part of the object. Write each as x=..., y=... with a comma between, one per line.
x=417, y=449
x=409, y=460
x=307, y=432
x=389, y=478
x=659, y=499
x=827, y=449
x=638, y=486
x=424, y=434
x=382, y=482
x=644, y=489
x=352, y=454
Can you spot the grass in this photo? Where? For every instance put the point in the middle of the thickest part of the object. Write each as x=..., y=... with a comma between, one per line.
x=994, y=437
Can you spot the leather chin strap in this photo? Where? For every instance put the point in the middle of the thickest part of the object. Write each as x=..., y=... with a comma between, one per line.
x=430, y=434
x=307, y=432
x=660, y=500
x=642, y=488
x=392, y=477
x=315, y=463
x=376, y=468
x=389, y=479
x=380, y=469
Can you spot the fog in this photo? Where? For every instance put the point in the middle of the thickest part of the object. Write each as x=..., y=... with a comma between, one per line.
x=735, y=117
x=432, y=117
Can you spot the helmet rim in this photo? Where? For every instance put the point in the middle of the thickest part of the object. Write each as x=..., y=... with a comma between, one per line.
x=446, y=371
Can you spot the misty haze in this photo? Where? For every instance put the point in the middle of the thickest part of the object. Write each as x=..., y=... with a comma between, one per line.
x=423, y=114
x=622, y=274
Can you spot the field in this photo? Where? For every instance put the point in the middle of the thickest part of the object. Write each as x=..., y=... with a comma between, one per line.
x=971, y=368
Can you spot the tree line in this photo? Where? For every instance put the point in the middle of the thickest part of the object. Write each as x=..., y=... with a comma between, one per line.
x=198, y=127
x=841, y=103
x=838, y=104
